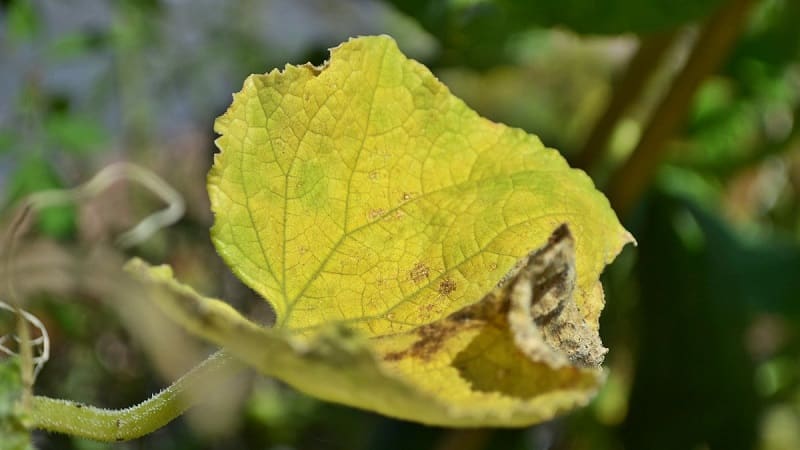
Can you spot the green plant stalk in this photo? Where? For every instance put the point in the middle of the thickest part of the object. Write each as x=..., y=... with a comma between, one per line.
x=26, y=360
x=109, y=425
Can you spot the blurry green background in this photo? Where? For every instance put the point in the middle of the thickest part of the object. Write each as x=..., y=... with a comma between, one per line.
x=702, y=318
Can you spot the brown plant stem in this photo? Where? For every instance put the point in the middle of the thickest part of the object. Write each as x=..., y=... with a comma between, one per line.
x=17, y=228
x=465, y=439
x=626, y=90
x=716, y=38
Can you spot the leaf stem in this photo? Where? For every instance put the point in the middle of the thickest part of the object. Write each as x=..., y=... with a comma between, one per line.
x=78, y=419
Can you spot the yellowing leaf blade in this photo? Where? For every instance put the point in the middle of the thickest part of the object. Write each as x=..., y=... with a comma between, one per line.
x=391, y=228
x=343, y=367
x=365, y=193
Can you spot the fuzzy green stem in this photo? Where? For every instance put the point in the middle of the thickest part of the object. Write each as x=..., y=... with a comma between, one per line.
x=77, y=419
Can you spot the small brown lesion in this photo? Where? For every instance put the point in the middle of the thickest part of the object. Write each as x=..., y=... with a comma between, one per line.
x=419, y=272
x=432, y=338
x=375, y=213
x=447, y=286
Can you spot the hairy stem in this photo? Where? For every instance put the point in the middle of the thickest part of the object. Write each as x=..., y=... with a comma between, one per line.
x=77, y=419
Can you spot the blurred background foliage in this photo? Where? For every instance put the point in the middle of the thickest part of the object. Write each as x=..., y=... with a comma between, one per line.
x=685, y=112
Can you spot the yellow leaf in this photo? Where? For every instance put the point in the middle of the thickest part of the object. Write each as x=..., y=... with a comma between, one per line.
x=503, y=361
x=362, y=194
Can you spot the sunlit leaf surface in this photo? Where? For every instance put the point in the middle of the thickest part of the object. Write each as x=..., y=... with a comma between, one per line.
x=377, y=213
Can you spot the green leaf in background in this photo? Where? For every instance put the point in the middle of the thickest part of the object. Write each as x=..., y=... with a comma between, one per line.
x=13, y=433
x=471, y=32
x=701, y=287
x=74, y=133
x=77, y=44
x=36, y=174
x=22, y=20
x=7, y=141
x=772, y=40
x=746, y=113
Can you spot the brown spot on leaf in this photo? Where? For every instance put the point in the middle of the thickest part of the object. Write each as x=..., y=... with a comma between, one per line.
x=431, y=338
x=428, y=311
x=447, y=286
x=419, y=272
x=375, y=213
